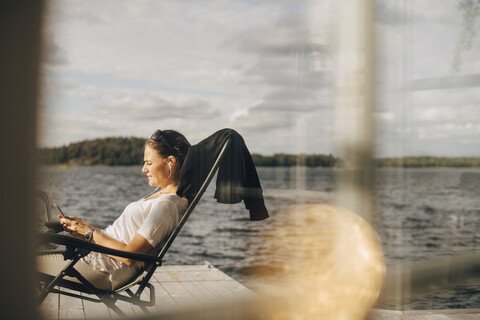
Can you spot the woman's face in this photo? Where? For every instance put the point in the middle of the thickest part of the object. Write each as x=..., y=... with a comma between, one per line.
x=155, y=167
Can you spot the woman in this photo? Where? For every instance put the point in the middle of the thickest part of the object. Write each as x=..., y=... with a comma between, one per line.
x=143, y=224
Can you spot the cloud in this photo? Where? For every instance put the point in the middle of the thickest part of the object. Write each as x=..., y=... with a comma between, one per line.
x=384, y=117
x=158, y=106
x=291, y=35
x=390, y=15
x=54, y=54
x=277, y=58
x=283, y=109
x=394, y=14
x=264, y=68
x=426, y=38
x=398, y=14
x=460, y=133
x=292, y=67
x=263, y=122
x=61, y=128
x=433, y=122
x=287, y=34
x=291, y=100
x=52, y=86
x=457, y=81
x=294, y=71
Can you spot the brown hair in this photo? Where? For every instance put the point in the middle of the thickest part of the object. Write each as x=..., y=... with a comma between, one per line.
x=176, y=145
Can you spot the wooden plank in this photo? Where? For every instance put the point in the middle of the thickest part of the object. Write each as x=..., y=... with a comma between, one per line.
x=386, y=315
x=200, y=292
x=168, y=268
x=415, y=317
x=139, y=311
x=217, y=274
x=219, y=289
x=212, y=274
x=181, y=296
x=202, y=267
x=238, y=289
x=173, y=275
x=163, y=300
x=49, y=306
x=95, y=310
x=70, y=307
x=73, y=313
x=125, y=307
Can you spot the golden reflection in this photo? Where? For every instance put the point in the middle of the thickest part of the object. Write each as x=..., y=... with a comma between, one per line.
x=331, y=265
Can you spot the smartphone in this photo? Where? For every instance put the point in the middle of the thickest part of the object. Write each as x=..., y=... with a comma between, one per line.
x=58, y=209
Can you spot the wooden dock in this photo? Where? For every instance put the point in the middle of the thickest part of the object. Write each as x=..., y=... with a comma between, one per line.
x=176, y=288
x=182, y=288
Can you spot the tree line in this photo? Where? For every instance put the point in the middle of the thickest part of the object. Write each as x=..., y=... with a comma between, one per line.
x=129, y=151
x=428, y=162
x=106, y=151
x=291, y=160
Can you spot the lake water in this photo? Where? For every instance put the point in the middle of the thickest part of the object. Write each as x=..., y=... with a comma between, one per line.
x=420, y=213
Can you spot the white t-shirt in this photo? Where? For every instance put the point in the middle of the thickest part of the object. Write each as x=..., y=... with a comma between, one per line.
x=153, y=219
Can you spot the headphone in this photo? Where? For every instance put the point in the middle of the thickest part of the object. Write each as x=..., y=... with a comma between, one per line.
x=169, y=167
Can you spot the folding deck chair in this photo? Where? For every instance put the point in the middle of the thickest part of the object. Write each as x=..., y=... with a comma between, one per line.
x=75, y=249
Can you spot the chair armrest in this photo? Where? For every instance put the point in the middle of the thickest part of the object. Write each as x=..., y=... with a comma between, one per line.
x=79, y=243
x=54, y=226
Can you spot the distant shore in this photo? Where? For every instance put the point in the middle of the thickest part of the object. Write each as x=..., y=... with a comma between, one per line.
x=129, y=151
x=428, y=162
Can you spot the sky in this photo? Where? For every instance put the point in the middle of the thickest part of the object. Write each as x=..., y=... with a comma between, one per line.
x=264, y=68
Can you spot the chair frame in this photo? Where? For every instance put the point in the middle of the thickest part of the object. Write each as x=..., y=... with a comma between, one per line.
x=75, y=249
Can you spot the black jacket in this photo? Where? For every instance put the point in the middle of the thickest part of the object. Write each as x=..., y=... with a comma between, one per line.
x=237, y=178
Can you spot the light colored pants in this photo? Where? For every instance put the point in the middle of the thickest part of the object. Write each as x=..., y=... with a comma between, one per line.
x=52, y=264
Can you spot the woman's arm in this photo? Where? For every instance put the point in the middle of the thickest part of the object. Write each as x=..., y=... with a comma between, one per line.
x=80, y=227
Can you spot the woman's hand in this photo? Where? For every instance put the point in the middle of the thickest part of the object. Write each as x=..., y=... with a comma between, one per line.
x=76, y=226
x=79, y=228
